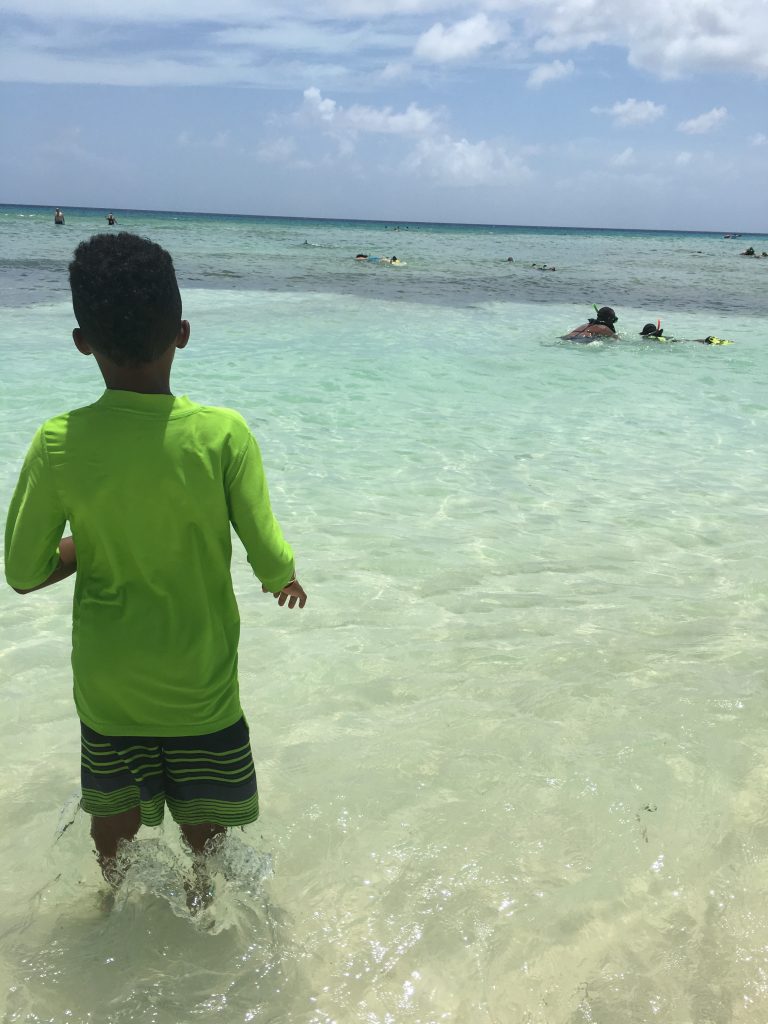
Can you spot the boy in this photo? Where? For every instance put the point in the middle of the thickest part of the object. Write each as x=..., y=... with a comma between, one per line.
x=149, y=484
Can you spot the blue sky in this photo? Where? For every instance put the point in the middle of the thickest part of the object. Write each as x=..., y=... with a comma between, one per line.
x=569, y=112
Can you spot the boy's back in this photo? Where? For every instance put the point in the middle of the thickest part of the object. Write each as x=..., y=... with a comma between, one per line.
x=149, y=484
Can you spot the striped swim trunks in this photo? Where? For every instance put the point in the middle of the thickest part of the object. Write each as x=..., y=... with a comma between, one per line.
x=203, y=779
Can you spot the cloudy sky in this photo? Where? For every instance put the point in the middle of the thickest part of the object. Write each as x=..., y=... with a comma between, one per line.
x=627, y=113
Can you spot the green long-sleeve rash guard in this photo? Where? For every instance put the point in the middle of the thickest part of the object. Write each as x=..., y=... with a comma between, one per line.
x=149, y=485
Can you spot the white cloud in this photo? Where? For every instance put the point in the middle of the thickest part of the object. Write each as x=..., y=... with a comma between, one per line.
x=667, y=39
x=549, y=73
x=395, y=71
x=624, y=159
x=632, y=111
x=461, y=40
x=306, y=35
x=277, y=151
x=704, y=123
x=683, y=158
x=185, y=42
x=758, y=139
x=413, y=121
x=460, y=162
x=325, y=109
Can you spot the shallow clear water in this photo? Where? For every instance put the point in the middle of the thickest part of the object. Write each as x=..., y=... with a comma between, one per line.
x=512, y=754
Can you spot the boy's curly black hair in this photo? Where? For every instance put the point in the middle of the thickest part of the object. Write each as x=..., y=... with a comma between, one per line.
x=125, y=297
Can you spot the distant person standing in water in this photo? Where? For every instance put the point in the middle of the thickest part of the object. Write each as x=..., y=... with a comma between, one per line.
x=601, y=326
x=58, y=217
x=111, y=219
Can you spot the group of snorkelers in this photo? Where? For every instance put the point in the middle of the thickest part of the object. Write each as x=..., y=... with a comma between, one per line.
x=750, y=251
x=534, y=266
x=603, y=325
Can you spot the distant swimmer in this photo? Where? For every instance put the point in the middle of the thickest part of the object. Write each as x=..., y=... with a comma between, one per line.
x=601, y=326
x=749, y=251
x=510, y=259
x=58, y=217
x=361, y=256
x=111, y=219
x=392, y=261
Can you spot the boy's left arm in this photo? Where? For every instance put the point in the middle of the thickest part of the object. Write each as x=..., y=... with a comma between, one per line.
x=35, y=554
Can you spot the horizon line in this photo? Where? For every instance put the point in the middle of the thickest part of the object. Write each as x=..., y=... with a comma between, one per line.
x=385, y=221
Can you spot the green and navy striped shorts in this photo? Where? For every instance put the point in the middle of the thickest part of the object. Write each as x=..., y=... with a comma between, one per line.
x=203, y=779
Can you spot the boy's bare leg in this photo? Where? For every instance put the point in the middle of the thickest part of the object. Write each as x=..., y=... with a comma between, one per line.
x=199, y=887
x=197, y=836
x=107, y=833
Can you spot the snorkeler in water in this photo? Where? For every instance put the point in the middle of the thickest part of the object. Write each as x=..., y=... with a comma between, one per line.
x=600, y=326
x=656, y=332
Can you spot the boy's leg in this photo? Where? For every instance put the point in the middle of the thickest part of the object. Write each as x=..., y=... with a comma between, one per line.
x=210, y=785
x=199, y=887
x=210, y=782
x=198, y=836
x=107, y=833
x=122, y=789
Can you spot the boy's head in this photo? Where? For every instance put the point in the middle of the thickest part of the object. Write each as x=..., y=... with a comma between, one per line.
x=125, y=297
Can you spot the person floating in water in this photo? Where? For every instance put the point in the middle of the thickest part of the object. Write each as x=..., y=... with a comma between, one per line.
x=656, y=332
x=111, y=219
x=601, y=326
x=749, y=251
x=58, y=217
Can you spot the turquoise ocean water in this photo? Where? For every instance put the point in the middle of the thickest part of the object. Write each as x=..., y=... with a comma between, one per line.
x=513, y=755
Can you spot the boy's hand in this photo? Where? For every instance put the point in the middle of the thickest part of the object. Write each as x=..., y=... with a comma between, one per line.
x=292, y=592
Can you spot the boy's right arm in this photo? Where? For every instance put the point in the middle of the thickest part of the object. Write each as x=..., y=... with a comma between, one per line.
x=292, y=593
x=36, y=521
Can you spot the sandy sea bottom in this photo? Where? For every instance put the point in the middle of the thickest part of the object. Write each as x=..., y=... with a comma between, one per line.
x=511, y=756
